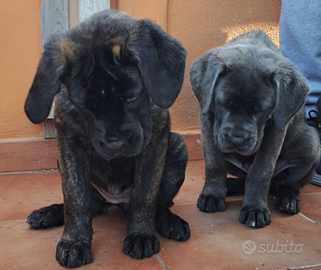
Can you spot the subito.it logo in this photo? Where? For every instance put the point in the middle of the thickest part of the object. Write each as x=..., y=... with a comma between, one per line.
x=248, y=247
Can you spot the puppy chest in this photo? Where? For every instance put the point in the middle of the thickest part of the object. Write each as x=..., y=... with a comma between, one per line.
x=114, y=180
x=116, y=196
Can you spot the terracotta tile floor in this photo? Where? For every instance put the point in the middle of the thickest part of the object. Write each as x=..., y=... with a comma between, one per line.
x=216, y=240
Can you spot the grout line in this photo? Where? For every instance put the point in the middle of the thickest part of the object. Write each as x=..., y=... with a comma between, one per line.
x=302, y=267
x=12, y=221
x=36, y=171
x=233, y=199
x=161, y=261
x=310, y=193
x=311, y=220
x=230, y=200
x=182, y=204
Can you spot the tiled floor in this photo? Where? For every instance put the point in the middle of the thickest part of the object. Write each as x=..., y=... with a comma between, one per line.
x=290, y=242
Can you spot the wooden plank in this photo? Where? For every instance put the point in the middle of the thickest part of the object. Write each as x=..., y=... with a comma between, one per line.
x=80, y=9
x=53, y=18
x=89, y=7
x=49, y=129
x=73, y=13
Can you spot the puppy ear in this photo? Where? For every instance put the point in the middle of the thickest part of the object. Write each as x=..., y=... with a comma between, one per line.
x=161, y=62
x=203, y=76
x=291, y=93
x=46, y=84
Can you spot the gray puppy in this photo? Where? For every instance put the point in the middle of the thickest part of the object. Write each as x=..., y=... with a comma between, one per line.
x=253, y=126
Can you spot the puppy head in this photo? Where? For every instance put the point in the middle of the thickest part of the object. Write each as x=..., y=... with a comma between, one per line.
x=112, y=67
x=246, y=87
x=244, y=102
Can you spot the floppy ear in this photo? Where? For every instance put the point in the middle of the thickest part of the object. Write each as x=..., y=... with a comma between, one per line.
x=46, y=84
x=203, y=76
x=161, y=62
x=291, y=93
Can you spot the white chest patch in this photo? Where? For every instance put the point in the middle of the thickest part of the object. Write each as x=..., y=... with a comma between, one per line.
x=115, y=198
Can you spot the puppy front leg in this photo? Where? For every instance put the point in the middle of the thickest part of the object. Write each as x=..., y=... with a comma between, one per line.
x=74, y=248
x=255, y=212
x=212, y=198
x=142, y=240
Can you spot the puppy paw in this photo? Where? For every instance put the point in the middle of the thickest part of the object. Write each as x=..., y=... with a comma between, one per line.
x=172, y=226
x=254, y=216
x=139, y=246
x=210, y=203
x=73, y=254
x=46, y=217
x=287, y=204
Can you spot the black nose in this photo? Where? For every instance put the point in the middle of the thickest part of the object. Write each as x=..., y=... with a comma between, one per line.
x=236, y=140
x=112, y=143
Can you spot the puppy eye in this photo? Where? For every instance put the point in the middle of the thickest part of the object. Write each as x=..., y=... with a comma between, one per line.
x=256, y=108
x=221, y=103
x=231, y=104
x=130, y=101
x=228, y=104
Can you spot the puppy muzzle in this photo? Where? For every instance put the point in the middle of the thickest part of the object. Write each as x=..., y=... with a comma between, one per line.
x=110, y=147
x=240, y=143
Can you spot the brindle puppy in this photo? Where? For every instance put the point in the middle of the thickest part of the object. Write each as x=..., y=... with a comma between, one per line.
x=253, y=126
x=114, y=79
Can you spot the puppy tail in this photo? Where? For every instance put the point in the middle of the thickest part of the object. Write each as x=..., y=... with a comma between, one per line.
x=235, y=186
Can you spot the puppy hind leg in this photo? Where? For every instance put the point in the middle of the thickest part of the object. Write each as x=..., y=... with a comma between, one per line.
x=98, y=203
x=168, y=224
x=46, y=217
x=235, y=186
x=286, y=194
x=174, y=171
x=53, y=215
x=286, y=200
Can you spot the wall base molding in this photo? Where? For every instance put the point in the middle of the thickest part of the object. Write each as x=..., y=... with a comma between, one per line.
x=40, y=154
x=27, y=154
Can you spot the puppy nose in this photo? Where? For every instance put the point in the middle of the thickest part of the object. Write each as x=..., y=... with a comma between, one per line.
x=113, y=143
x=236, y=140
